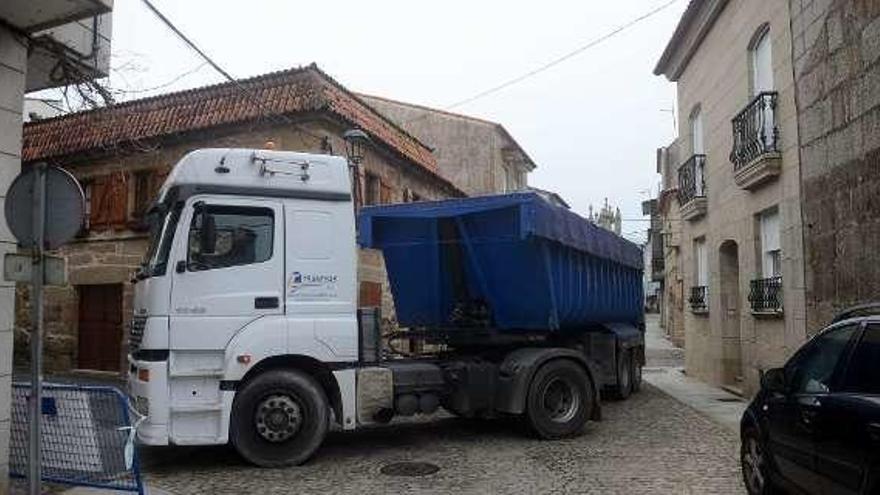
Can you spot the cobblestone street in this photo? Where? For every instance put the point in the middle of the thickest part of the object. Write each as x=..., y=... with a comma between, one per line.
x=648, y=444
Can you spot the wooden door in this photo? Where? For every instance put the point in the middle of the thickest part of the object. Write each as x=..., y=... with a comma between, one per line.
x=100, y=327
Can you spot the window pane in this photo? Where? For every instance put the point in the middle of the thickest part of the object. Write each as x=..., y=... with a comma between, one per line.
x=812, y=370
x=224, y=236
x=770, y=244
x=863, y=373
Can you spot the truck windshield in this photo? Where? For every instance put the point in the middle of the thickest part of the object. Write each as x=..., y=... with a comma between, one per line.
x=163, y=222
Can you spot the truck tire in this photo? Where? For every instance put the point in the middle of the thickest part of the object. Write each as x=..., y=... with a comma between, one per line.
x=624, y=386
x=636, y=375
x=560, y=399
x=279, y=418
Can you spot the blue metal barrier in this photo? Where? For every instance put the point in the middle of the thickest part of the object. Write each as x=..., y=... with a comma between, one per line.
x=87, y=437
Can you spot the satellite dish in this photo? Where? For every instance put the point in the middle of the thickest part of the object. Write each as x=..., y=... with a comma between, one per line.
x=65, y=207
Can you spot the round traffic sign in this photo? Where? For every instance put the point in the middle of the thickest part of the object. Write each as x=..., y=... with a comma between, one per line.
x=64, y=205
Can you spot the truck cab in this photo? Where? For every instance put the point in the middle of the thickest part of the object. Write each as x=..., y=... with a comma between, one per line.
x=252, y=255
x=246, y=327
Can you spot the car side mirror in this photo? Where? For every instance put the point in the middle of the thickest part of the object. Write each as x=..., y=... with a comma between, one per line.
x=773, y=380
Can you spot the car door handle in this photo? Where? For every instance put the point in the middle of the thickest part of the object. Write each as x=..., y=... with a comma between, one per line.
x=265, y=302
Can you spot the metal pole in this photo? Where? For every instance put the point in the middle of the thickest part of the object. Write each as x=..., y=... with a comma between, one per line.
x=35, y=404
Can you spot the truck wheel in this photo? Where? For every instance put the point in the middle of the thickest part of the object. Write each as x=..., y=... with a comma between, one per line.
x=280, y=418
x=636, y=367
x=560, y=400
x=624, y=375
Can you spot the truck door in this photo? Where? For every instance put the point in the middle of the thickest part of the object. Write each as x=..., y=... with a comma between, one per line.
x=228, y=270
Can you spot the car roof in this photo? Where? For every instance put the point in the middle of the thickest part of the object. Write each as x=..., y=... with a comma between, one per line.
x=869, y=311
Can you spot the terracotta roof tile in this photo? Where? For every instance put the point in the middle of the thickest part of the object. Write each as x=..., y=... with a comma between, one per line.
x=301, y=90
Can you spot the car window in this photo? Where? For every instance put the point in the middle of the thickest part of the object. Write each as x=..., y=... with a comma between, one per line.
x=224, y=236
x=863, y=371
x=812, y=369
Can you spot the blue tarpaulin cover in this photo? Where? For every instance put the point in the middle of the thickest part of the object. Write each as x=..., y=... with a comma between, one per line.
x=535, y=265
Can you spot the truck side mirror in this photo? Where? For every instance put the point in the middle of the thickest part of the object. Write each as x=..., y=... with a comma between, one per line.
x=208, y=234
x=773, y=380
x=204, y=221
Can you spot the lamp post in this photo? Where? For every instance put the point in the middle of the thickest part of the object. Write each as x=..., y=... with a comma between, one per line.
x=355, y=142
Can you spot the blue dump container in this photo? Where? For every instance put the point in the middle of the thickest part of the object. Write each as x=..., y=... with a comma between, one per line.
x=512, y=262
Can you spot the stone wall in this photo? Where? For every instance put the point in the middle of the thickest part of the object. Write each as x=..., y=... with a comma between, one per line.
x=837, y=73
x=111, y=256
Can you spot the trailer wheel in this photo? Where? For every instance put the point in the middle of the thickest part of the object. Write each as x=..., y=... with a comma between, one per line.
x=624, y=386
x=279, y=419
x=636, y=367
x=560, y=400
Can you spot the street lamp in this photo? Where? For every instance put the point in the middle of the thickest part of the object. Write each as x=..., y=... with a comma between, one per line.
x=355, y=142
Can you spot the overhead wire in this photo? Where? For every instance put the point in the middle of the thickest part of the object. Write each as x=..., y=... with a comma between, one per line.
x=235, y=82
x=556, y=61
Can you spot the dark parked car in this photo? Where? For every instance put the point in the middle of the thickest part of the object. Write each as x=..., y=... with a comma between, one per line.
x=815, y=425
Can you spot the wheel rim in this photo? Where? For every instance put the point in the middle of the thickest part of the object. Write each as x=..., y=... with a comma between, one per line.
x=278, y=418
x=752, y=465
x=560, y=400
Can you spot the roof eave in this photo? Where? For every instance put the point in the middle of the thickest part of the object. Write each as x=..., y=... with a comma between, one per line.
x=692, y=28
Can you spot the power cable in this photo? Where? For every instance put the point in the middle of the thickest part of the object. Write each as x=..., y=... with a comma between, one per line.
x=236, y=84
x=556, y=61
x=166, y=84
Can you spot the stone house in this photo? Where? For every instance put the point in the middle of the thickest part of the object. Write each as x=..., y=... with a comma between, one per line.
x=733, y=190
x=836, y=54
x=478, y=156
x=121, y=155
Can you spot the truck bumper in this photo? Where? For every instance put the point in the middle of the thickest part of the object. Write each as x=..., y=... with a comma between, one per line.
x=148, y=386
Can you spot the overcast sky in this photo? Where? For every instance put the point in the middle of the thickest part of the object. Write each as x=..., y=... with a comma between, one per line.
x=592, y=123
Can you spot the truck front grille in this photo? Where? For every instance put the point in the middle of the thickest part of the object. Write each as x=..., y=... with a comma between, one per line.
x=136, y=333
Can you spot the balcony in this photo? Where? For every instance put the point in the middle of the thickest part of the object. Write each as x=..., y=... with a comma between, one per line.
x=755, y=156
x=692, y=187
x=699, y=299
x=765, y=296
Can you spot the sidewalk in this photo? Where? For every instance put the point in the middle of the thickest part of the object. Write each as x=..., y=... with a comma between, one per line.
x=665, y=370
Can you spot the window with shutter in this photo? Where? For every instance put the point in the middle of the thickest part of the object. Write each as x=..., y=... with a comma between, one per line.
x=108, y=200
x=370, y=294
x=371, y=189
x=143, y=190
x=385, y=193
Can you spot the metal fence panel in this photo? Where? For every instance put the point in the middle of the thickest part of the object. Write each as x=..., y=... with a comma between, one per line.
x=87, y=437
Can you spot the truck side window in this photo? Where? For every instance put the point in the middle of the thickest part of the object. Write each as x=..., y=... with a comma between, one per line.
x=224, y=236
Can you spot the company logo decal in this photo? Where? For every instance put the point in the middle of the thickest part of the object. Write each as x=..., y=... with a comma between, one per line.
x=312, y=286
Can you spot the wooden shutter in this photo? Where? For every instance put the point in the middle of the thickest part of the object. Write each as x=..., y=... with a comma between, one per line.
x=384, y=193
x=109, y=201
x=370, y=294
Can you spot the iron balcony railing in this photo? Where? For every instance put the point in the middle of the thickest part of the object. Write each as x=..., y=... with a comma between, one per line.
x=755, y=131
x=699, y=298
x=692, y=179
x=766, y=295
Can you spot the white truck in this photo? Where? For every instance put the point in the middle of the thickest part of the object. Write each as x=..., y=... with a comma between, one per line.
x=246, y=327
